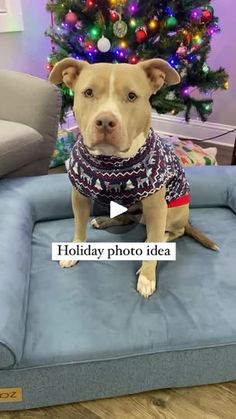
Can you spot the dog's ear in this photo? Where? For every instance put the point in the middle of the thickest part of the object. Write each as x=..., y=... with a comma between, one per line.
x=67, y=71
x=159, y=72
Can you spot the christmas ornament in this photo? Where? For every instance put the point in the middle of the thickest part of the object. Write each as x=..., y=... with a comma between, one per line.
x=120, y=28
x=104, y=44
x=114, y=16
x=206, y=16
x=171, y=22
x=141, y=34
x=71, y=18
x=182, y=50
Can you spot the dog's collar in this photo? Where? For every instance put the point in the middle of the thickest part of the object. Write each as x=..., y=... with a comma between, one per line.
x=111, y=162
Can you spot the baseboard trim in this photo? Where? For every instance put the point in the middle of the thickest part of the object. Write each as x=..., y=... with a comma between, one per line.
x=175, y=125
x=195, y=129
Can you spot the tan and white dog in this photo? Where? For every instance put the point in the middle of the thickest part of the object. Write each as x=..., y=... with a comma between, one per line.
x=113, y=112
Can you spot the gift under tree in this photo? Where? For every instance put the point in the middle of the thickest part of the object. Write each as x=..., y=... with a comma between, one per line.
x=127, y=31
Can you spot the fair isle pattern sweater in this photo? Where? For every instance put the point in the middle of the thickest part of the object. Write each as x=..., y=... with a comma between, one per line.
x=128, y=180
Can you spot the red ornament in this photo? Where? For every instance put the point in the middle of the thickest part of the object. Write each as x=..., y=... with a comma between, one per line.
x=141, y=34
x=71, y=18
x=114, y=16
x=133, y=59
x=206, y=16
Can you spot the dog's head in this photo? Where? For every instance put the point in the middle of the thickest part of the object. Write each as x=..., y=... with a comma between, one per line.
x=111, y=101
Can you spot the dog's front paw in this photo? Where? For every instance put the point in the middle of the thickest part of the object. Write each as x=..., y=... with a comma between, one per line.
x=67, y=263
x=102, y=222
x=145, y=286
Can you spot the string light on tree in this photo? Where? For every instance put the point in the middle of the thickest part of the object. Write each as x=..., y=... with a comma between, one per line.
x=90, y=4
x=133, y=59
x=133, y=23
x=152, y=25
x=133, y=8
x=196, y=14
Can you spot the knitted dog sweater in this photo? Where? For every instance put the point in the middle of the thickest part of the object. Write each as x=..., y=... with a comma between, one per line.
x=128, y=180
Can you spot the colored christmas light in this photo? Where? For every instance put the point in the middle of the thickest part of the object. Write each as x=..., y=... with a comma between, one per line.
x=169, y=11
x=152, y=24
x=123, y=44
x=196, y=14
x=90, y=3
x=133, y=8
x=173, y=61
x=185, y=91
x=226, y=85
x=133, y=59
x=94, y=33
x=133, y=23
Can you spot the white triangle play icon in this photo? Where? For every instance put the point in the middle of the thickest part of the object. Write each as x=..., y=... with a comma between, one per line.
x=116, y=209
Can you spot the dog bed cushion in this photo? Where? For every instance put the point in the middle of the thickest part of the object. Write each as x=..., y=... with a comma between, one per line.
x=85, y=333
x=191, y=154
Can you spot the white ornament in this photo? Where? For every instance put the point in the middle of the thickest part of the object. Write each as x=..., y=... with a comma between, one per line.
x=104, y=44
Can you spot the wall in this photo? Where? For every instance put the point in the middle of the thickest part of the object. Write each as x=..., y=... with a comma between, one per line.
x=224, y=54
x=27, y=51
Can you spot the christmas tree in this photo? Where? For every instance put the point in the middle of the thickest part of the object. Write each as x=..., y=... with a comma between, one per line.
x=127, y=31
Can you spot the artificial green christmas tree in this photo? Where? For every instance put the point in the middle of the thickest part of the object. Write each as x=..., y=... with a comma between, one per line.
x=127, y=31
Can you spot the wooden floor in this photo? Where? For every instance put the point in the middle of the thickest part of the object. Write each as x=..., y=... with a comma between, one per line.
x=205, y=402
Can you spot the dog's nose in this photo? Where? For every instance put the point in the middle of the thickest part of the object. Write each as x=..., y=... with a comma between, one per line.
x=106, y=122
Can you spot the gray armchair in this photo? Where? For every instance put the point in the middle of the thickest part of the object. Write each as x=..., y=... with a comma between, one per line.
x=29, y=116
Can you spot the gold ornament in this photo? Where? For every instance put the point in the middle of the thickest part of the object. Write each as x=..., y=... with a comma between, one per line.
x=120, y=28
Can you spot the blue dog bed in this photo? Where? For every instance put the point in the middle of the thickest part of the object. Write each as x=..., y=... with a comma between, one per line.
x=85, y=333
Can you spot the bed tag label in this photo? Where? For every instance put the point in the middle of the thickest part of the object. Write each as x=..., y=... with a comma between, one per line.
x=10, y=395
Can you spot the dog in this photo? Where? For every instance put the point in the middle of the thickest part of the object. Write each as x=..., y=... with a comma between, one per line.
x=113, y=112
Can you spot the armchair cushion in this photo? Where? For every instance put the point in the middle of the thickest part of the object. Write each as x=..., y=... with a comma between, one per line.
x=19, y=145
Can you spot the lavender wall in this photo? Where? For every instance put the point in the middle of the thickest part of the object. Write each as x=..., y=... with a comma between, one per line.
x=224, y=54
x=27, y=51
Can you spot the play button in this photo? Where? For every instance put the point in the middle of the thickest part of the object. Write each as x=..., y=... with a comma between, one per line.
x=116, y=209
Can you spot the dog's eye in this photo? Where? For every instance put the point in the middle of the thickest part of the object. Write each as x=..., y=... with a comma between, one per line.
x=132, y=96
x=88, y=93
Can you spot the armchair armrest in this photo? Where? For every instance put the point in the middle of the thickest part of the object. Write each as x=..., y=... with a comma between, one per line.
x=31, y=101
